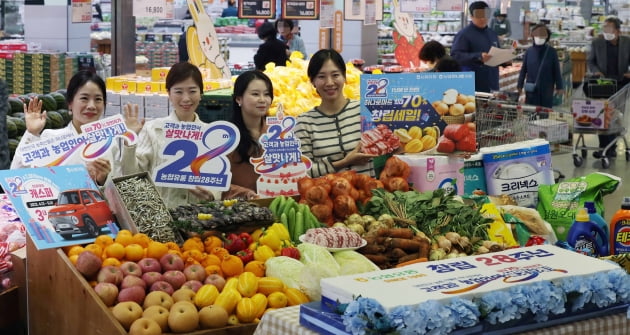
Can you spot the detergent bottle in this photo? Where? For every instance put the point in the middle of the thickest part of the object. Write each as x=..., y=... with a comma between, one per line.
x=620, y=229
x=599, y=220
x=583, y=235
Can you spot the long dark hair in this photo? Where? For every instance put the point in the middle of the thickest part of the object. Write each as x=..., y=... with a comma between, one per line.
x=240, y=86
x=320, y=57
x=81, y=78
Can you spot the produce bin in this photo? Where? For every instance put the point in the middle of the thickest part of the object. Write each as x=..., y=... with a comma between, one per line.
x=216, y=105
x=61, y=301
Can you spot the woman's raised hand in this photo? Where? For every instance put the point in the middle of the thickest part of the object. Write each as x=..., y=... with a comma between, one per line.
x=33, y=117
x=132, y=120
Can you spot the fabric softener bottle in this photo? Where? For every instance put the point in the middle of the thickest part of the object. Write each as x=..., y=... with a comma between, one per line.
x=583, y=235
x=599, y=220
x=620, y=229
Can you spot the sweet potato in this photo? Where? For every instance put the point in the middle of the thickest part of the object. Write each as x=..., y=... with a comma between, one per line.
x=397, y=254
x=404, y=244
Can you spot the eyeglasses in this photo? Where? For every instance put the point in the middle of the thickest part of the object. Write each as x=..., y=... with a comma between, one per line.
x=481, y=13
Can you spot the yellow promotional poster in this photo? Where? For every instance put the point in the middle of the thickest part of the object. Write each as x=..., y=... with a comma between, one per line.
x=202, y=42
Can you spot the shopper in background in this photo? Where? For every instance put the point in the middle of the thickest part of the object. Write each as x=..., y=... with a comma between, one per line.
x=86, y=97
x=230, y=10
x=182, y=46
x=540, y=73
x=447, y=64
x=184, y=84
x=501, y=25
x=471, y=46
x=330, y=134
x=272, y=50
x=252, y=97
x=431, y=53
x=610, y=58
x=4, y=140
x=293, y=41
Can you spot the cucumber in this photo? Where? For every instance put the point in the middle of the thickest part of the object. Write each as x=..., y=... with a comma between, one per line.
x=273, y=206
x=291, y=216
x=289, y=203
x=299, y=226
x=285, y=221
x=280, y=204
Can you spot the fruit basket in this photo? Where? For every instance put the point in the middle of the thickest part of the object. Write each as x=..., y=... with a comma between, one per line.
x=57, y=291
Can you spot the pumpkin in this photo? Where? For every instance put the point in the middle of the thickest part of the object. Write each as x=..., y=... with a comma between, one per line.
x=228, y=299
x=206, y=295
x=268, y=285
x=295, y=296
x=246, y=310
x=247, y=284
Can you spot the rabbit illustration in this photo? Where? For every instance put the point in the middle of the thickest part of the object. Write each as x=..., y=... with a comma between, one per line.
x=203, y=45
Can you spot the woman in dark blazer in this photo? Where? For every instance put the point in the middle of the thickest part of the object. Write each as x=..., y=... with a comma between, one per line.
x=540, y=70
x=272, y=50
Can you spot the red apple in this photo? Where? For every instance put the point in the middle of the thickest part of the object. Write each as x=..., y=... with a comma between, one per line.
x=110, y=274
x=194, y=285
x=131, y=280
x=151, y=277
x=175, y=278
x=195, y=272
x=149, y=264
x=163, y=286
x=133, y=293
x=131, y=268
x=171, y=262
x=88, y=264
x=216, y=280
x=108, y=293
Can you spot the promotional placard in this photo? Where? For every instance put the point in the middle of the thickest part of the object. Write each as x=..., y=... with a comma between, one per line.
x=96, y=139
x=590, y=114
x=59, y=206
x=300, y=9
x=282, y=163
x=257, y=9
x=81, y=11
x=428, y=112
x=196, y=155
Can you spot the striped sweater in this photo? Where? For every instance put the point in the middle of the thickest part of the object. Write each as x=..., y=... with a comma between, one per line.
x=326, y=139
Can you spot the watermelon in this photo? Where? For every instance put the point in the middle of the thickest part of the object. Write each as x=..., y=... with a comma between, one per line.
x=48, y=102
x=15, y=106
x=18, y=115
x=56, y=120
x=60, y=99
x=11, y=128
x=20, y=124
x=25, y=98
x=67, y=117
x=13, y=143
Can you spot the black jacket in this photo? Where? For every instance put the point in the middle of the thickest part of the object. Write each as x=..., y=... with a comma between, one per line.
x=273, y=50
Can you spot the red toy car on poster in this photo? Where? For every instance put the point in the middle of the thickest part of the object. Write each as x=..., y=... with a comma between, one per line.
x=80, y=211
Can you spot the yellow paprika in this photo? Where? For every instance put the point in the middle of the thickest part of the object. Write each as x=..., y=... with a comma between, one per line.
x=256, y=234
x=263, y=253
x=271, y=239
x=281, y=231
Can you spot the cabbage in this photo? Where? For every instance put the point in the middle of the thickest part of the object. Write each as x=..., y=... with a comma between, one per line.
x=315, y=254
x=352, y=262
x=286, y=269
x=318, y=263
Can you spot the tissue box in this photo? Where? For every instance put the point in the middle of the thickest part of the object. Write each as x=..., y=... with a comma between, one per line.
x=553, y=131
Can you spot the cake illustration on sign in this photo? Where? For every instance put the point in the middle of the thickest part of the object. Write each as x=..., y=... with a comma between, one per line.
x=282, y=163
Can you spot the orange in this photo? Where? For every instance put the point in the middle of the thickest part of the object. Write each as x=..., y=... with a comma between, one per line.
x=214, y=269
x=190, y=261
x=193, y=243
x=195, y=254
x=212, y=242
x=124, y=237
x=93, y=283
x=172, y=246
x=103, y=240
x=231, y=266
x=75, y=250
x=220, y=252
x=255, y=267
x=115, y=250
x=73, y=259
x=141, y=239
x=211, y=259
x=95, y=249
x=134, y=252
x=111, y=261
x=156, y=249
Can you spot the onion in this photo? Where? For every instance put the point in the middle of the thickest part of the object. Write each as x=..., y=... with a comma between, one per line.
x=453, y=237
x=444, y=243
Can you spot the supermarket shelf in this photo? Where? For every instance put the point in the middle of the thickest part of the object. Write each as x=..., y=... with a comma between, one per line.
x=453, y=19
x=438, y=32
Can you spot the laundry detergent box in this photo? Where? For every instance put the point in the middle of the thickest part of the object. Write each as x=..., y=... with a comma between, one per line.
x=518, y=169
x=429, y=173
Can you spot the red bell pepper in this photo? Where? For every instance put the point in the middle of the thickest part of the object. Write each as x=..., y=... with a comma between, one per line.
x=535, y=240
x=247, y=238
x=290, y=252
x=246, y=255
x=233, y=243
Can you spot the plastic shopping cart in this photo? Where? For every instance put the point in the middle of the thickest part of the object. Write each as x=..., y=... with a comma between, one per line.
x=502, y=121
x=601, y=117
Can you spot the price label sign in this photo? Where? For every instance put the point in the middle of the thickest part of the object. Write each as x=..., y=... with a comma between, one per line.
x=413, y=6
x=149, y=8
x=81, y=11
x=300, y=9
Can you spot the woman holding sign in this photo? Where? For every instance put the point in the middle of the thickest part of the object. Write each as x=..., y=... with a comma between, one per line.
x=253, y=94
x=330, y=134
x=86, y=96
x=184, y=84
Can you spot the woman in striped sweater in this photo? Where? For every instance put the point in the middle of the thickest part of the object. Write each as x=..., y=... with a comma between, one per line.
x=330, y=134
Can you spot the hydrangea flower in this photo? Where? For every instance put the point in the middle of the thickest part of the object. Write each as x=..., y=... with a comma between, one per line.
x=519, y=298
x=603, y=290
x=399, y=316
x=498, y=307
x=620, y=279
x=465, y=312
x=577, y=290
x=365, y=316
x=544, y=298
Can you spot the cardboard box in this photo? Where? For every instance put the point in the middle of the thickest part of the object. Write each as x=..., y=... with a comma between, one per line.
x=554, y=131
x=133, y=99
x=159, y=73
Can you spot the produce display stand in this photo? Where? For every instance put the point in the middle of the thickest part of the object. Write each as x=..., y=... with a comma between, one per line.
x=61, y=301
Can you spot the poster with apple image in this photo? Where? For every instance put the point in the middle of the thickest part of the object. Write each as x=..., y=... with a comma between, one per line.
x=195, y=154
x=416, y=108
x=59, y=206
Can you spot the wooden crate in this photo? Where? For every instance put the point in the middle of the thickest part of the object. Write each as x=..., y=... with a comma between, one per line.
x=61, y=301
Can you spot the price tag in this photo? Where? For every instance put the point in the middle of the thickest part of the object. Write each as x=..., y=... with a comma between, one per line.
x=81, y=11
x=149, y=8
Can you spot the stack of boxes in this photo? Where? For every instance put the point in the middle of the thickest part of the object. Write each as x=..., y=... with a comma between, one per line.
x=37, y=72
x=161, y=50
